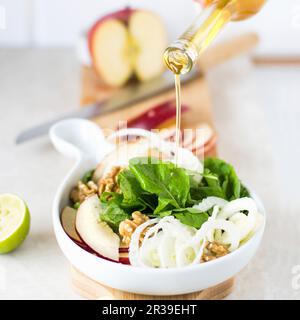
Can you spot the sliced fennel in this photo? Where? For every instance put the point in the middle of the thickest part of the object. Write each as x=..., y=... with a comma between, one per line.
x=209, y=203
x=168, y=243
x=161, y=243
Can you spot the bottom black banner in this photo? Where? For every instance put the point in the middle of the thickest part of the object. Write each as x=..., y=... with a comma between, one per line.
x=173, y=309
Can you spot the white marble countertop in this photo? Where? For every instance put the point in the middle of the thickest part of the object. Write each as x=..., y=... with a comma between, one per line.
x=256, y=113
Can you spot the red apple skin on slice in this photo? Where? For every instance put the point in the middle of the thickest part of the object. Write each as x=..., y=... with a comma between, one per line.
x=149, y=36
x=156, y=117
x=121, y=15
x=125, y=261
x=94, y=232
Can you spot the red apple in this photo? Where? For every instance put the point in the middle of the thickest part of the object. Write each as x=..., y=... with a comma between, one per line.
x=126, y=43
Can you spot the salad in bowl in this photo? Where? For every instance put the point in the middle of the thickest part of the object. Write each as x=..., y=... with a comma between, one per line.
x=163, y=214
x=135, y=219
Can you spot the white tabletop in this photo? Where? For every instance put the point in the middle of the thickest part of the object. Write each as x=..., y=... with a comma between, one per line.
x=256, y=119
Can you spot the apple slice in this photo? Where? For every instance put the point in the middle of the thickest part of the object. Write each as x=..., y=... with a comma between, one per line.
x=68, y=218
x=110, y=43
x=121, y=155
x=149, y=35
x=95, y=233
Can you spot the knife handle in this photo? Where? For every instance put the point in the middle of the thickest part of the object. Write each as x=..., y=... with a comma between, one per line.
x=227, y=50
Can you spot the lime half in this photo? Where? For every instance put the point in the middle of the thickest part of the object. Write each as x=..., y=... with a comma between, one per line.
x=14, y=222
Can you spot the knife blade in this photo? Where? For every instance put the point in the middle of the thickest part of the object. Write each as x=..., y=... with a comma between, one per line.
x=125, y=97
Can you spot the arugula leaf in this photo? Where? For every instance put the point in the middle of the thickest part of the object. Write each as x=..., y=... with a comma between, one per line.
x=189, y=216
x=107, y=197
x=117, y=199
x=220, y=180
x=170, y=183
x=193, y=196
x=113, y=215
x=129, y=185
x=204, y=192
x=160, y=189
x=119, y=206
x=227, y=180
x=133, y=193
x=244, y=192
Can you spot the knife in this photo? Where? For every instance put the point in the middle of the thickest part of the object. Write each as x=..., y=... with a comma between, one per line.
x=125, y=97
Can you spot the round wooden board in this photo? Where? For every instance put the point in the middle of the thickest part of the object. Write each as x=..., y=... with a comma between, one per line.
x=91, y=289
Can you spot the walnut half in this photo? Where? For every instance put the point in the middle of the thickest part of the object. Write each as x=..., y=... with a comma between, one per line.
x=82, y=191
x=127, y=227
x=214, y=250
x=109, y=182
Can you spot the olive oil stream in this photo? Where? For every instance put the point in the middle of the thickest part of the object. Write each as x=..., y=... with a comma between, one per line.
x=178, y=116
x=181, y=56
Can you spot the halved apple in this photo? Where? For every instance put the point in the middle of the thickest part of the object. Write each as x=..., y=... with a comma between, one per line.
x=126, y=43
x=94, y=232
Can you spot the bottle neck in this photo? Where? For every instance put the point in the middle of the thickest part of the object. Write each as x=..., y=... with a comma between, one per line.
x=181, y=55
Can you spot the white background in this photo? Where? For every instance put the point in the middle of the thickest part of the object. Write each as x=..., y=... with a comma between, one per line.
x=58, y=22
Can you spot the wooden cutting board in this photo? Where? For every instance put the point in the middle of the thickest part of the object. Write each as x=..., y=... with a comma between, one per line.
x=195, y=95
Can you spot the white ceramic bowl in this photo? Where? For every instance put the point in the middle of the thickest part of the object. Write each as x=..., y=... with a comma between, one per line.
x=84, y=141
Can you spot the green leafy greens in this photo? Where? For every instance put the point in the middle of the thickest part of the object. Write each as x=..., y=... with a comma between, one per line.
x=189, y=216
x=87, y=176
x=168, y=182
x=133, y=193
x=220, y=180
x=160, y=189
